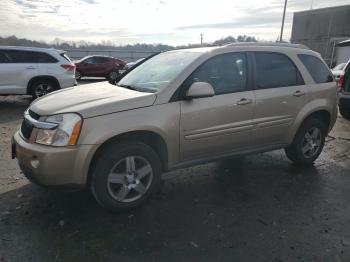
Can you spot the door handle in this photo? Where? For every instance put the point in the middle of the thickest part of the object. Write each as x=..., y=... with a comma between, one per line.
x=244, y=101
x=30, y=67
x=298, y=93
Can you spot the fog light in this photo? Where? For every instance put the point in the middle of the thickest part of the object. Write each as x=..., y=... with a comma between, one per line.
x=35, y=163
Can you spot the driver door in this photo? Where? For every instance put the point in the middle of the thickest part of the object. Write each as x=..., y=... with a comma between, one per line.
x=222, y=123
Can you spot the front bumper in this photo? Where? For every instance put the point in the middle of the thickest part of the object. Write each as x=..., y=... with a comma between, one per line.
x=58, y=166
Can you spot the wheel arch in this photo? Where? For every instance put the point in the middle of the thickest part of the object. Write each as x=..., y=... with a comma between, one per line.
x=321, y=114
x=150, y=138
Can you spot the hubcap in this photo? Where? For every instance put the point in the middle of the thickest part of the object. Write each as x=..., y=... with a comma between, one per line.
x=77, y=74
x=113, y=75
x=43, y=89
x=312, y=142
x=129, y=179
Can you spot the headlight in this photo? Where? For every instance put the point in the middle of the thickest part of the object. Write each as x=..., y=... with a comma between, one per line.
x=66, y=133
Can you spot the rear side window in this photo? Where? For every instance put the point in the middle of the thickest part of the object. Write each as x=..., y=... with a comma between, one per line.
x=102, y=60
x=3, y=57
x=276, y=70
x=227, y=73
x=18, y=56
x=317, y=69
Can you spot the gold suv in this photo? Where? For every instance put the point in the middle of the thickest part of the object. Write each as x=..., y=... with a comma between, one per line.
x=177, y=109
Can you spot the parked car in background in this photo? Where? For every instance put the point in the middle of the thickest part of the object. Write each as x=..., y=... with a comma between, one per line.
x=338, y=70
x=99, y=66
x=34, y=71
x=344, y=92
x=131, y=64
x=177, y=109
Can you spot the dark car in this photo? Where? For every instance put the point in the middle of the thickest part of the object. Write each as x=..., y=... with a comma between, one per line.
x=98, y=66
x=344, y=92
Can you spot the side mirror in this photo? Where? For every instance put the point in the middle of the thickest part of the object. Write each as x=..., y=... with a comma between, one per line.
x=200, y=89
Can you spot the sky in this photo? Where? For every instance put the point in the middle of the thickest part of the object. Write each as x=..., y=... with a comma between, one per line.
x=173, y=22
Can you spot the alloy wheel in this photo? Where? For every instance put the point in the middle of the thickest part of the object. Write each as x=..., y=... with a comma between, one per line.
x=129, y=179
x=312, y=142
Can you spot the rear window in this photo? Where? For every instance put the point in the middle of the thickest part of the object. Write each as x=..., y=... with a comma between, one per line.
x=65, y=56
x=317, y=69
x=19, y=56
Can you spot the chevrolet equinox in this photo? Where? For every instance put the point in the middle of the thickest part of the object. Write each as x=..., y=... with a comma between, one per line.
x=178, y=108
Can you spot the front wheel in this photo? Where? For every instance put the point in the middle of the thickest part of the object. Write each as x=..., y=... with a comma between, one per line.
x=125, y=175
x=308, y=142
x=113, y=75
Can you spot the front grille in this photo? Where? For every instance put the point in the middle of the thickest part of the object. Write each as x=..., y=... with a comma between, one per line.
x=27, y=127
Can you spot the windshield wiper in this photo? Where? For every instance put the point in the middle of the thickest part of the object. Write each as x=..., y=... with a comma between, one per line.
x=127, y=86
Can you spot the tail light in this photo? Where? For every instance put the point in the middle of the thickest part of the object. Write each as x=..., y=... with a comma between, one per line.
x=341, y=81
x=68, y=67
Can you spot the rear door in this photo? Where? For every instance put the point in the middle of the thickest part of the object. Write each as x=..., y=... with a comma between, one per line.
x=15, y=75
x=222, y=123
x=280, y=94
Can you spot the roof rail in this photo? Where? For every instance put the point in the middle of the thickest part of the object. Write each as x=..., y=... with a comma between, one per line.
x=268, y=44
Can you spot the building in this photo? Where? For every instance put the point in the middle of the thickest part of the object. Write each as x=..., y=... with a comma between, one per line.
x=322, y=29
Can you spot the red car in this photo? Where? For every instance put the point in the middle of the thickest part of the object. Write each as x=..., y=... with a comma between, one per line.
x=98, y=66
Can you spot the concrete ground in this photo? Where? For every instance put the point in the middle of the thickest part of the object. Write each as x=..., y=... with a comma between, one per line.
x=260, y=208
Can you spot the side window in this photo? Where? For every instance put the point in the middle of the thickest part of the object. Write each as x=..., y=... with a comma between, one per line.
x=102, y=60
x=275, y=70
x=3, y=57
x=90, y=60
x=44, y=58
x=227, y=73
x=317, y=69
x=18, y=56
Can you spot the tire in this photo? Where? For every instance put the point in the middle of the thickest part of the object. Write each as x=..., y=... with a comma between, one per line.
x=78, y=75
x=42, y=87
x=116, y=181
x=308, y=142
x=344, y=112
x=113, y=75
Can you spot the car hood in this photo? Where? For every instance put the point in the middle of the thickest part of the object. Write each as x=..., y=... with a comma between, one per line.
x=92, y=100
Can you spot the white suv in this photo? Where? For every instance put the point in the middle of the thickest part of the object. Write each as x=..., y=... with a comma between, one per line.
x=34, y=71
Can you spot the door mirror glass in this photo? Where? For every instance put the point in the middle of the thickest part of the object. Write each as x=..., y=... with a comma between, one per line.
x=200, y=89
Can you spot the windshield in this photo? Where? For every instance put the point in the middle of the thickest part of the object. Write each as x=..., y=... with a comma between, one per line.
x=156, y=73
x=339, y=67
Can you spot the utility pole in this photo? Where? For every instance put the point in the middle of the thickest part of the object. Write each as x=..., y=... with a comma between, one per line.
x=201, y=39
x=284, y=16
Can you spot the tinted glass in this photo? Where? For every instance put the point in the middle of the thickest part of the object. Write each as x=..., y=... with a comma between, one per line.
x=3, y=57
x=226, y=73
x=101, y=60
x=276, y=70
x=90, y=60
x=44, y=58
x=29, y=57
x=317, y=69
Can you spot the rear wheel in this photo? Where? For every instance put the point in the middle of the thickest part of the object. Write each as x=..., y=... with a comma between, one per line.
x=125, y=175
x=42, y=87
x=308, y=142
x=345, y=112
x=77, y=75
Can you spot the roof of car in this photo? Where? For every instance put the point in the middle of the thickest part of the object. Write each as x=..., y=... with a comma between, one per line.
x=30, y=48
x=245, y=44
